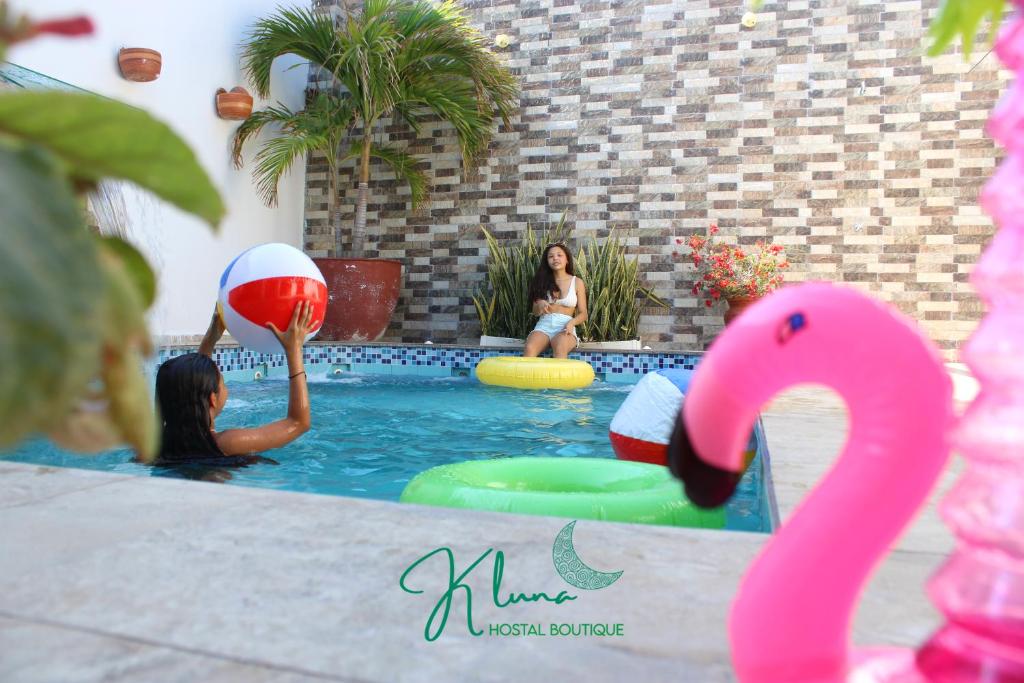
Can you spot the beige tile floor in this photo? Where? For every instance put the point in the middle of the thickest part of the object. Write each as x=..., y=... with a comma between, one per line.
x=112, y=578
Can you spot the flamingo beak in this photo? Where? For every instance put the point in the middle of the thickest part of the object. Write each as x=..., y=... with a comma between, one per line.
x=705, y=485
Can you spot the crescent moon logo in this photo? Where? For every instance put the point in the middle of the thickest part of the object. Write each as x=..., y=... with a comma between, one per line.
x=571, y=568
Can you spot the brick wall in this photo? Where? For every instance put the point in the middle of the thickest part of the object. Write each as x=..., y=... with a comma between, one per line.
x=823, y=128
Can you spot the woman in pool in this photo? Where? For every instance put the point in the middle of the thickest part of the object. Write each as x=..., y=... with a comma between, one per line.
x=560, y=299
x=190, y=394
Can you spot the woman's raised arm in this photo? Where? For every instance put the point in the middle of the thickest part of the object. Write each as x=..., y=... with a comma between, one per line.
x=297, y=421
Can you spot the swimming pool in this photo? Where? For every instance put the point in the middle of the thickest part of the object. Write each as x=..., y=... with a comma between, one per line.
x=371, y=434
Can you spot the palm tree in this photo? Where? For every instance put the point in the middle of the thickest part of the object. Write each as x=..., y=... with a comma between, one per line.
x=401, y=59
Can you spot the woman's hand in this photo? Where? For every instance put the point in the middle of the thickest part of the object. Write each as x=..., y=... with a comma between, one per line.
x=569, y=327
x=300, y=325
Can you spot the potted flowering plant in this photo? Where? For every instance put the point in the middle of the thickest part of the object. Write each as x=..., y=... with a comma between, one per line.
x=730, y=272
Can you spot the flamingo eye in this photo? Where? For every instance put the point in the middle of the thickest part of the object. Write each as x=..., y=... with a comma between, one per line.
x=793, y=324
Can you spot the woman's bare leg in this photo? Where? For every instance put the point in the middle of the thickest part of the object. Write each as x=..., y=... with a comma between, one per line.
x=562, y=344
x=535, y=344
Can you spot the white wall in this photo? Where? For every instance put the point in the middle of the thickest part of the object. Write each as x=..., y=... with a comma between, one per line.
x=199, y=41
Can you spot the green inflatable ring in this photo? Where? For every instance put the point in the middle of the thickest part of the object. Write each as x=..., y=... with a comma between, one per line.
x=580, y=488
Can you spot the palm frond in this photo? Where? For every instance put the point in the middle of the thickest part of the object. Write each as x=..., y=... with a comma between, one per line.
x=364, y=60
x=449, y=70
x=456, y=103
x=318, y=128
x=278, y=154
x=254, y=125
x=404, y=58
x=295, y=31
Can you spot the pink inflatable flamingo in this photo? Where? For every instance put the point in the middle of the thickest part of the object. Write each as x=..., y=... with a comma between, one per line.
x=790, y=620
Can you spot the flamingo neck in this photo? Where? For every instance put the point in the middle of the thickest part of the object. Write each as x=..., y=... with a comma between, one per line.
x=791, y=618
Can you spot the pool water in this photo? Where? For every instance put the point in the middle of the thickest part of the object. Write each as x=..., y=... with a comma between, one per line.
x=372, y=434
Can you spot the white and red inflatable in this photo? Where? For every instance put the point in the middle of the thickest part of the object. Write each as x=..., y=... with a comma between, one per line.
x=262, y=285
x=643, y=424
x=642, y=427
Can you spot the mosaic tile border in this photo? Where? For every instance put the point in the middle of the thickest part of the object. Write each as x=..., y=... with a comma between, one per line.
x=418, y=359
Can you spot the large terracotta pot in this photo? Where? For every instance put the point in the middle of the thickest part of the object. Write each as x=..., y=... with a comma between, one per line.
x=737, y=305
x=139, y=64
x=361, y=297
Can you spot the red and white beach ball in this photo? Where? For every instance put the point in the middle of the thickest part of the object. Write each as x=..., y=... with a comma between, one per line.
x=262, y=285
x=642, y=426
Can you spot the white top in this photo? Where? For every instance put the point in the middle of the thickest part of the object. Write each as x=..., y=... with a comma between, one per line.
x=569, y=299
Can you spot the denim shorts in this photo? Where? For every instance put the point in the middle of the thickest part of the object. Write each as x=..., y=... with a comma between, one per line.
x=553, y=323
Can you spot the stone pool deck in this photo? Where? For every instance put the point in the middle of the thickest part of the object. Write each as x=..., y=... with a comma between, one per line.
x=113, y=578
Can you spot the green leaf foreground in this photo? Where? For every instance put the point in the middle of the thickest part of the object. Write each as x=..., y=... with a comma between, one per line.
x=962, y=18
x=136, y=268
x=52, y=296
x=130, y=283
x=74, y=302
x=99, y=138
x=72, y=307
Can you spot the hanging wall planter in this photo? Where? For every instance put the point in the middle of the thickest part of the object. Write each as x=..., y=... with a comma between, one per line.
x=139, y=64
x=234, y=105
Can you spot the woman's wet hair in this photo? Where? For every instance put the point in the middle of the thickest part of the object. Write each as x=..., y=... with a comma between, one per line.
x=544, y=285
x=183, y=388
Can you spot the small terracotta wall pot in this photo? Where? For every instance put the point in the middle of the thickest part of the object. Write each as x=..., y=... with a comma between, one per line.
x=736, y=306
x=139, y=64
x=235, y=105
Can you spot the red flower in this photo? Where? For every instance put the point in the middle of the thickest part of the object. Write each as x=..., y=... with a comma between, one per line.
x=679, y=240
x=75, y=26
x=727, y=270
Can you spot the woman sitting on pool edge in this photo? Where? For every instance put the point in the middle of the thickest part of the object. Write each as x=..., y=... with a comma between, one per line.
x=190, y=394
x=560, y=299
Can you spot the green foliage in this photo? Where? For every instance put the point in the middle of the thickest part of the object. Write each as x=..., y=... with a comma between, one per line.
x=614, y=292
x=410, y=60
x=50, y=299
x=136, y=268
x=962, y=17
x=72, y=303
x=99, y=138
x=319, y=127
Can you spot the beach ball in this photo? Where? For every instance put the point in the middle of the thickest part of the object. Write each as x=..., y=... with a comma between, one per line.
x=643, y=424
x=262, y=285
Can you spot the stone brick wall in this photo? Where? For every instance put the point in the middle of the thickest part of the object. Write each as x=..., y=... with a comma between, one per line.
x=824, y=129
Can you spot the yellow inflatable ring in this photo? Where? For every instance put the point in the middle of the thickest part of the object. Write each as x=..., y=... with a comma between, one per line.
x=535, y=373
